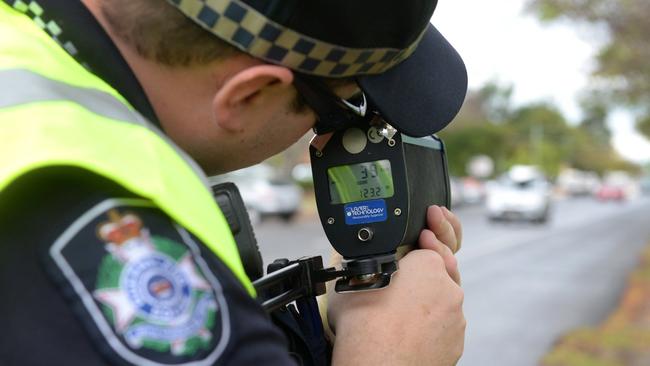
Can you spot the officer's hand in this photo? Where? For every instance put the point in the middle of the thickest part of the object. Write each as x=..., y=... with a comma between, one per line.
x=416, y=320
x=444, y=237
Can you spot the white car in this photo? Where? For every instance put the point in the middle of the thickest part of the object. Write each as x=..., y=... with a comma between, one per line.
x=473, y=190
x=456, y=192
x=263, y=194
x=522, y=193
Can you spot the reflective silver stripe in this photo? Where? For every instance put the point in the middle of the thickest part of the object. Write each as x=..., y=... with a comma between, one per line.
x=20, y=86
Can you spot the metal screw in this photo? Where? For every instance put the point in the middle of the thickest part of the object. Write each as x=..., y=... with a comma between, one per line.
x=319, y=153
x=391, y=142
x=331, y=221
x=398, y=211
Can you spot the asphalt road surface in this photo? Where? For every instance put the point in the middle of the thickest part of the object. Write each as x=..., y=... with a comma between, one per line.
x=525, y=284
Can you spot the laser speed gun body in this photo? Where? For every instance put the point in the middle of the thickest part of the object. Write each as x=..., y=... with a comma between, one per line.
x=373, y=186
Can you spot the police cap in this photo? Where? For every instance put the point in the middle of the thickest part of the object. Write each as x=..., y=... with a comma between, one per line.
x=407, y=69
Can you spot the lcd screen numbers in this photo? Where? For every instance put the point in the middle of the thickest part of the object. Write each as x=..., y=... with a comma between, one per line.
x=360, y=182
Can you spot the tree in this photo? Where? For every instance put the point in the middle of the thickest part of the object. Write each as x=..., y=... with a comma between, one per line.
x=541, y=137
x=644, y=125
x=623, y=67
x=485, y=139
x=536, y=133
x=490, y=103
x=479, y=128
x=594, y=120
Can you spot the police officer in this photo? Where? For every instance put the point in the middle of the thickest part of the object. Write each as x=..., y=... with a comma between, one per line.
x=112, y=250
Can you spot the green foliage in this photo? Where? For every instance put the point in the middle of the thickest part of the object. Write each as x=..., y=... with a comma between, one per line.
x=623, y=70
x=533, y=134
x=541, y=137
x=488, y=139
x=644, y=125
x=594, y=122
x=490, y=103
x=536, y=134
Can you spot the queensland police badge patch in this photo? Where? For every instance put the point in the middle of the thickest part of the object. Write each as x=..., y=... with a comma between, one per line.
x=144, y=285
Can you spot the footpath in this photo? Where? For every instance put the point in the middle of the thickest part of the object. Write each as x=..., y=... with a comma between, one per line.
x=622, y=340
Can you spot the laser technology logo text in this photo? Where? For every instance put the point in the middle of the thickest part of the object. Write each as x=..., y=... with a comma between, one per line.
x=365, y=212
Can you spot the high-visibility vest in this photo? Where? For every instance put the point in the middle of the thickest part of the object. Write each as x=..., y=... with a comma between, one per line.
x=53, y=112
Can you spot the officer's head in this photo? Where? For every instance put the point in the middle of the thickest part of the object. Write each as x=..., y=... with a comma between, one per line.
x=235, y=81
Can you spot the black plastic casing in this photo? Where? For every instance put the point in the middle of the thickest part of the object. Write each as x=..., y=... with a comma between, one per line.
x=232, y=206
x=420, y=179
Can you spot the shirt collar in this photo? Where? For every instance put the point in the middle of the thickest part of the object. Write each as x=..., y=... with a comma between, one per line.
x=73, y=27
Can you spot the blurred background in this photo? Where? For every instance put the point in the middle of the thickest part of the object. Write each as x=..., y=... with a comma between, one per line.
x=550, y=164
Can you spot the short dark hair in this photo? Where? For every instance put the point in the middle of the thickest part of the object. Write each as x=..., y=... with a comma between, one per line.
x=159, y=32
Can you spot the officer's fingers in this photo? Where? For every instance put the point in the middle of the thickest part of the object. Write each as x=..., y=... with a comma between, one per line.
x=441, y=227
x=455, y=223
x=429, y=241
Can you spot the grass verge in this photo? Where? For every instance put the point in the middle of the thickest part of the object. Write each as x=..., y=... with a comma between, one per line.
x=622, y=340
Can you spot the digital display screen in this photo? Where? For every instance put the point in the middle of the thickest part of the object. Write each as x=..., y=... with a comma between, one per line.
x=359, y=182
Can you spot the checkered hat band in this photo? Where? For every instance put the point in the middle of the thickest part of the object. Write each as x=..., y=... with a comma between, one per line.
x=35, y=11
x=247, y=29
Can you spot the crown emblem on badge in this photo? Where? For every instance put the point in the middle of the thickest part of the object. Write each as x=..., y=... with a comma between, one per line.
x=151, y=289
x=120, y=228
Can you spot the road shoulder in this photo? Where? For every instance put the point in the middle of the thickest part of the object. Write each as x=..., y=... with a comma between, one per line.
x=622, y=340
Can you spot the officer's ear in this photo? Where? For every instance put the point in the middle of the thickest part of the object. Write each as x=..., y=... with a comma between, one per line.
x=250, y=94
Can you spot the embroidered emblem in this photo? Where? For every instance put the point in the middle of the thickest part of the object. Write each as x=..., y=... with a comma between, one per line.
x=142, y=280
x=151, y=290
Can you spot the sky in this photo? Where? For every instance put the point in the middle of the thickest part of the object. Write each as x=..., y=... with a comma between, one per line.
x=544, y=62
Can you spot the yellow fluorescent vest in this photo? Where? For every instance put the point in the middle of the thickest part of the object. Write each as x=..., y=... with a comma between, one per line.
x=53, y=112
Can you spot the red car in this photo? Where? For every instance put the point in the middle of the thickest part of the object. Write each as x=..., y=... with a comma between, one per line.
x=610, y=192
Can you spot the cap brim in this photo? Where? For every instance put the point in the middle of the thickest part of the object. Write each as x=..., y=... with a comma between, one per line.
x=421, y=95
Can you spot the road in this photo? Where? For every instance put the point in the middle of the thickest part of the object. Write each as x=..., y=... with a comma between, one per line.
x=525, y=284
